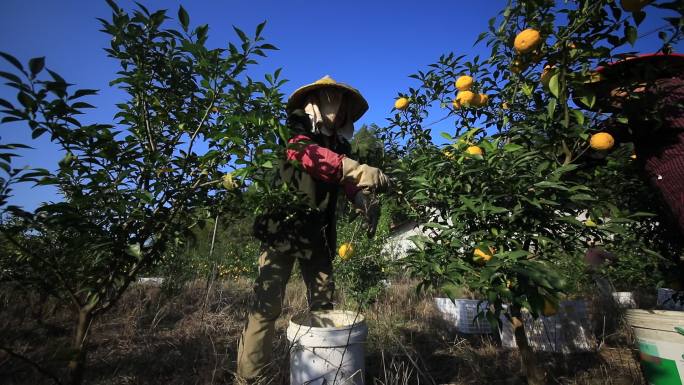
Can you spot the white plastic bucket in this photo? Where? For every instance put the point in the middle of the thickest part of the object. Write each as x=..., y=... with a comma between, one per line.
x=328, y=347
x=624, y=299
x=661, y=344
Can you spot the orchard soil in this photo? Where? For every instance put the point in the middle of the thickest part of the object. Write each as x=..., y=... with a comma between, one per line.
x=190, y=337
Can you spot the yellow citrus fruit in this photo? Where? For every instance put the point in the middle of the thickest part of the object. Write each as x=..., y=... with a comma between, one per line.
x=602, y=141
x=467, y=98
x=214, y=109
x=346, y=251
x=481, y=257
x=634, y=5
x=527, y=40
x=401, y=103
x=483, y=99
x=546, y=75
x=505, y=106
x=464, y=83
x=229, y=182
x=474, y=150
x=549, y=308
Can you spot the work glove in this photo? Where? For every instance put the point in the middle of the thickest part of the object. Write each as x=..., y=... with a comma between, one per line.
x=367, y=178
x=368, y=205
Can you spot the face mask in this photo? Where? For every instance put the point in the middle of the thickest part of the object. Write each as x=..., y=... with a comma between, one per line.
x=330, y=102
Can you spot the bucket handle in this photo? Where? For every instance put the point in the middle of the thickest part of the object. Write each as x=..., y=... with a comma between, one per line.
x=679, y=329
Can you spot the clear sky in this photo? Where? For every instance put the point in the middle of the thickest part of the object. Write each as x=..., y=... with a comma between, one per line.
x=372, y=45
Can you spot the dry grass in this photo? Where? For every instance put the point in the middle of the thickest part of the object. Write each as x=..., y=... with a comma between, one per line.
x=153, y=338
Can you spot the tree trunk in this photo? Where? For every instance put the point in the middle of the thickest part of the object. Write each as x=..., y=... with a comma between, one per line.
x=535, y=375
x=77, y=363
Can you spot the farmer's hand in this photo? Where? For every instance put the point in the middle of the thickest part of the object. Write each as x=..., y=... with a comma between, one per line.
x=369, y=179
x=368, y=205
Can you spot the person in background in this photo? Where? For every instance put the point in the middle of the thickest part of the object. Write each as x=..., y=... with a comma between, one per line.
x=648, y=90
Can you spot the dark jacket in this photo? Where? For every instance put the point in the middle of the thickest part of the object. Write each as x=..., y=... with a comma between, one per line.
x=308, y=225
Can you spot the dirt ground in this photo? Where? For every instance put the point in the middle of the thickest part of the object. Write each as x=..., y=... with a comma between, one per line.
x=153, y=337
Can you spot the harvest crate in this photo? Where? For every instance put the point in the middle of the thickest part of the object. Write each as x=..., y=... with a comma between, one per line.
x=462, y=312
x=568, y=331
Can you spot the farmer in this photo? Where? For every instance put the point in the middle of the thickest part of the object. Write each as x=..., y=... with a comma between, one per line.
x=649, y=91
x=320, y=121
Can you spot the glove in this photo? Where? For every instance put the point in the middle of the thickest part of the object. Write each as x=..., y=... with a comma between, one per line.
x=367, y=178
x=368, y=205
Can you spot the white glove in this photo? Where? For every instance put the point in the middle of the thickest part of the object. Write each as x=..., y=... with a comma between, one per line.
x=368, y=178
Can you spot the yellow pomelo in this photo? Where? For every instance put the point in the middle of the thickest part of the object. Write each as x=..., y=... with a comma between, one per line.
x=464, y=83
x=481, y=257
x=474, y=150
x=346, y=251
x=467, y=98
x=527, y=40
x=602, y=141
x=401, y=103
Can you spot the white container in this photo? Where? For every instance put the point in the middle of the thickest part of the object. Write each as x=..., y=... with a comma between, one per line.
x=624, y=299
x=327, y=347
x=666, y=301
x=568, y=331
x=661, y=344
x=462, y=312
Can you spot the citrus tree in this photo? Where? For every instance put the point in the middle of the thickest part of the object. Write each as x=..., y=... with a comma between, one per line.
x=515, y=193
x=134, y=190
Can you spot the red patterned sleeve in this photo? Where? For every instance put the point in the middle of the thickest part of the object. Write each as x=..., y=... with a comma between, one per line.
x=320, y=162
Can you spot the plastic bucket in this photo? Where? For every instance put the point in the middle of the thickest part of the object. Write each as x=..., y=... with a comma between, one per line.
x=661, y=344
x=624, y=299
x=327, y=347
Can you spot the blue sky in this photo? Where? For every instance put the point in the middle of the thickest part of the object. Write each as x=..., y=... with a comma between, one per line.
x=372, y=45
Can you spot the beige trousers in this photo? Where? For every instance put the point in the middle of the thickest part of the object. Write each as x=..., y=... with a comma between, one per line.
x=255, y=350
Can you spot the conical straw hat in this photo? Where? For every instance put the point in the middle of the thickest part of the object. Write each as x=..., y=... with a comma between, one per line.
x=355, y=103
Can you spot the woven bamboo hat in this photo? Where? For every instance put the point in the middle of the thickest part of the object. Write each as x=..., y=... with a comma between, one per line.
x=356, y=104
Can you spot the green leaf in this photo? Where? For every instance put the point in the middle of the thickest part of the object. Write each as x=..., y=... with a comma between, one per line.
x=12, y=60
x=36, y=65
x=241, y=34
x=134, y=250
x=588, y=99
x=638, y=16
x=10, y=76
x=184, y=18
x=6, y=104
x=260, y=28
x=548, y=184
x=631, y=34
x=554, y=86
x=551, y=107
x=113, y=6
x=579, y=117
x=25, y=100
